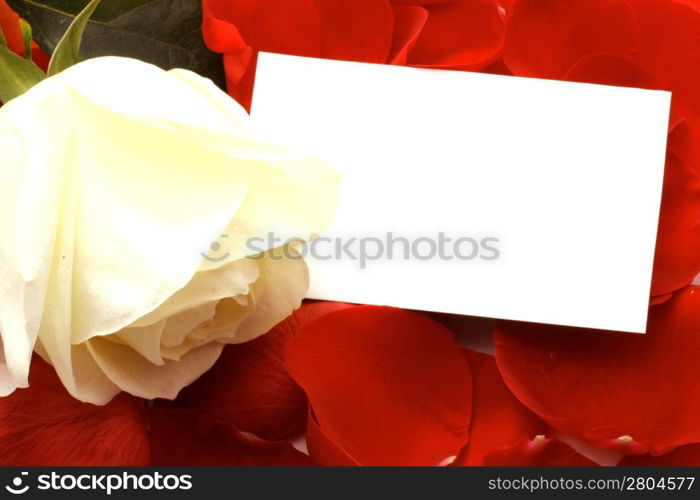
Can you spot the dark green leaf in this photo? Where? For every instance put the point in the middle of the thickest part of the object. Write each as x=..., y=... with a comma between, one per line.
x=166, y=33
x=17, y=74
x=67, y=52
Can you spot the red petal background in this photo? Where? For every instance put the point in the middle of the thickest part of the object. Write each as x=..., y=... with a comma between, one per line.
x=633, y=393
x=466, y=34
x=677, y=258
x=538, y=453
x=391, y=387
x=499, y=420
x=355, y=31
x=669, y=47
x=387, y=386
x=44, y=425
x=409, y=21
x=179, y=438
x=546, y=37
x=249, y=387
x=688, y=455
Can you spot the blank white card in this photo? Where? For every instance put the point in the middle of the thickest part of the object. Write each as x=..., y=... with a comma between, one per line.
x=477, y=194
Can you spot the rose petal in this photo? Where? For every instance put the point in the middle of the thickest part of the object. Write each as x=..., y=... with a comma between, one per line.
x=9, y=24
x=507, y=5
x=546, y=37
x=388, y=386
x=136, y=375
x=44, y=425
x=240, y=28
x=606, y=69
x=684, y=141
x=539, y=452
x=465, y=34
x=204, y=288
x=633, y=393
x=409, y=20
x=418, y=2
x=695, y=4
x=670, y=48
x=286, y=281
x=498, y=67
x=659, y=299
x=179, y=438
x=222, y=35
x=499, y=420
x=683, y=456
x=283, y=26
x=240, y=87
x=104, y=250
x=90, y=381
x=323, y=450
x=40, y=57
x=249, y=386
x=355, y=31
x=677, y=257
x=7, y=382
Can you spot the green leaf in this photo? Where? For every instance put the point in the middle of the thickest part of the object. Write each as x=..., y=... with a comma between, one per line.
x=67, y=52
x=17, y=74
x=166, y=33
x=26, y=30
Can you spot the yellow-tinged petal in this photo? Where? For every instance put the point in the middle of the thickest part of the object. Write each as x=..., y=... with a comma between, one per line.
x=135, y=374
x=286, y=281
x=116, y=178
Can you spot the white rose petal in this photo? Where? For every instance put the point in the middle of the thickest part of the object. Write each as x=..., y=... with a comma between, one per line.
x=116, y=176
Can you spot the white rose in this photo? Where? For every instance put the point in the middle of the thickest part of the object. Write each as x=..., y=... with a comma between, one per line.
x=115, y=177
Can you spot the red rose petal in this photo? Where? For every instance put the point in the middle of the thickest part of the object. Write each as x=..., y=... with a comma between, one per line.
x=677, y=258
x=546, y=37
x=323, y=450
x=249, y=386
x=684, y=141
x=240, y=87
x=284, y=26
x=671, y=48
x=44, y=425
x=221, y=35
x=40, y=57
x=499, y=420
x=659, y=299
x=387, y=386
x=418, y=2
x=688, y=455
x=9, y=24
x=179, y=438
x=240, y=28
x=695, y=4
x=409, y=21
x=355, y=31
x=498, y=67
x=629, y=392
x=507, y=5
x=464, y=34
x=605, y=69
x=539, y=452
